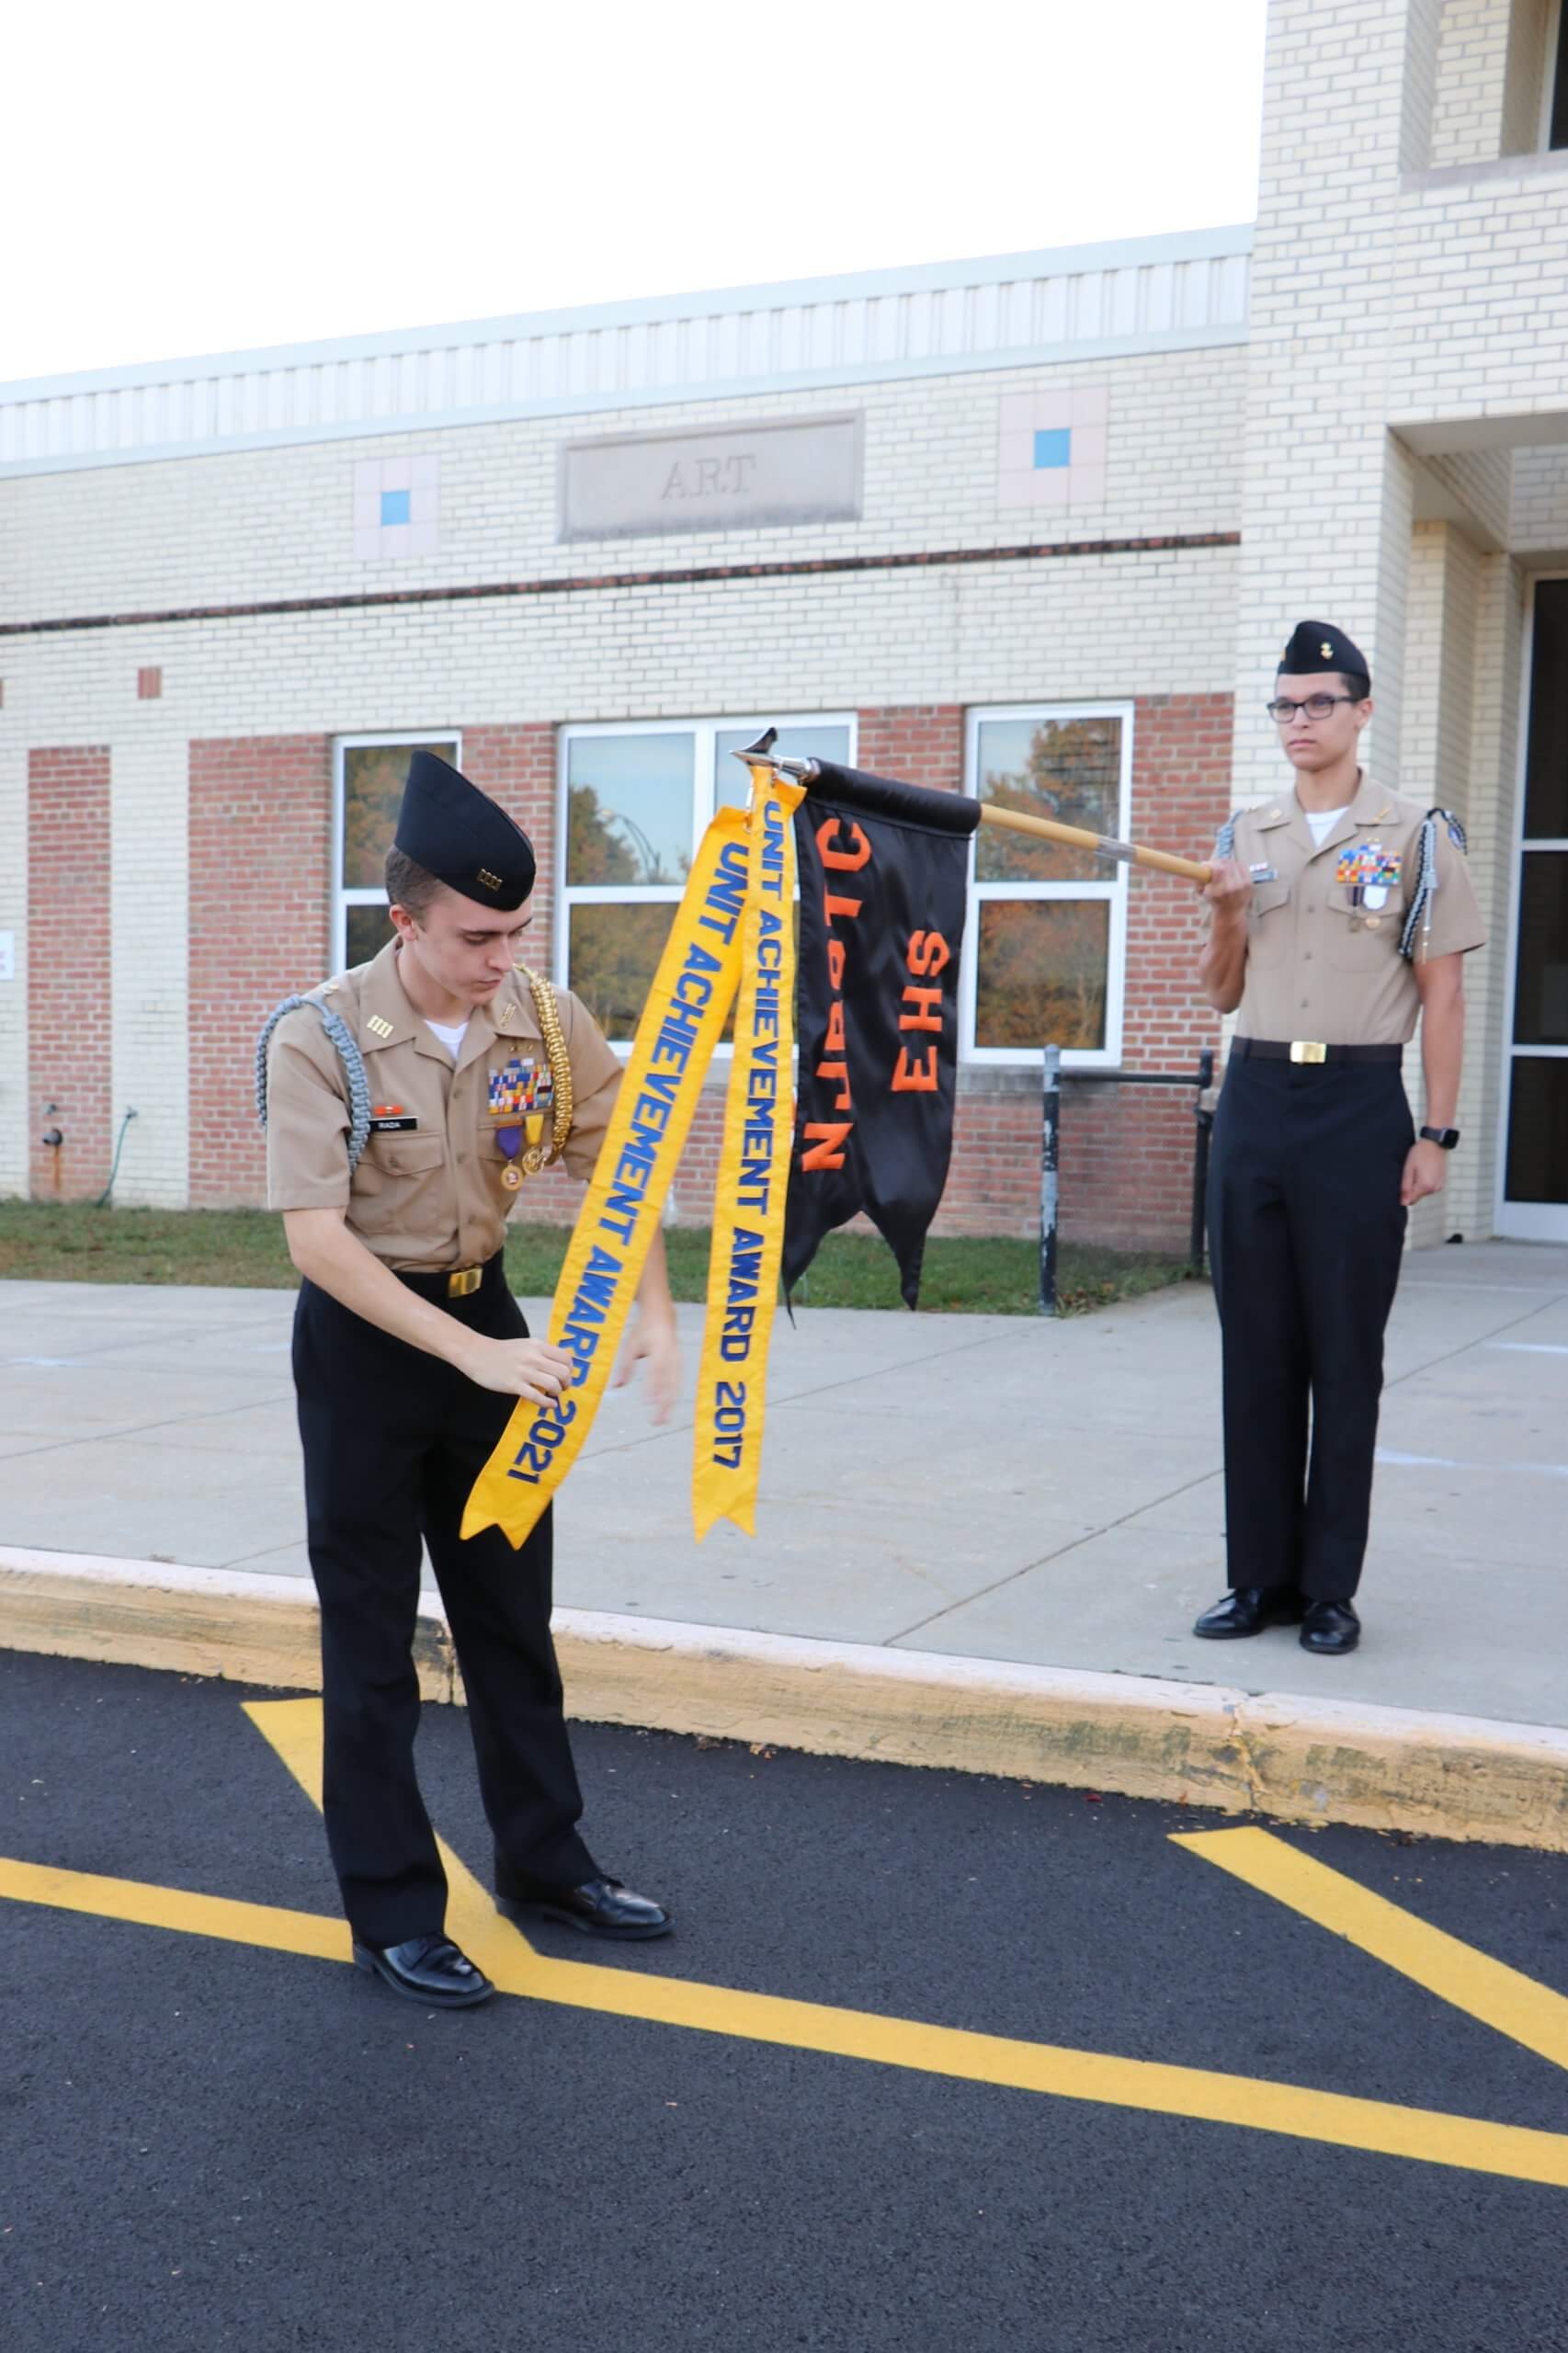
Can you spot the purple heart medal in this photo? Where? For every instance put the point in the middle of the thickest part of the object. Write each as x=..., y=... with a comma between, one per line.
x=511, y=1094
x=541, y=1097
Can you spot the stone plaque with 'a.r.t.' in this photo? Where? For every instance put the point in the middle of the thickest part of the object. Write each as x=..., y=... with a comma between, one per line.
x=732, y=478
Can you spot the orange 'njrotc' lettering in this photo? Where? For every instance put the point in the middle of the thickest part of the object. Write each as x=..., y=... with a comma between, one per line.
x=831, y=1134
x=848, y=861
x=911, y=1079
x=825, y=1154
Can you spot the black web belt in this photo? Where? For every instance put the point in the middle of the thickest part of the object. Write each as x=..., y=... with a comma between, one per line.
x=1310, y=1049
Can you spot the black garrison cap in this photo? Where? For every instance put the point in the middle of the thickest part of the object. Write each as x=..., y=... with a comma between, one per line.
x=462, y=837
x=1318, y=645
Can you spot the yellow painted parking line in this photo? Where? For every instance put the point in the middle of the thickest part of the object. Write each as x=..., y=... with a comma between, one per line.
x=1515, y=2151
x=293, y=1729
x=1470, y=1981
x=267, y=1924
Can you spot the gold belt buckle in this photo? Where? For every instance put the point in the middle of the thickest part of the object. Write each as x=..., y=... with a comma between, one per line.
x=463, y=1282
x=1308, y=1050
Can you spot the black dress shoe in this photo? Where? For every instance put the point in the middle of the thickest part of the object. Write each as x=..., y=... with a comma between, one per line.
x=600, y=1907
x=1247, y=1609
x=427, y=1969
x=1330, y=1627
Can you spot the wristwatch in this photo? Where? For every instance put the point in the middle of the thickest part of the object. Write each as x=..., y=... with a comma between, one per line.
x=1447, y=1137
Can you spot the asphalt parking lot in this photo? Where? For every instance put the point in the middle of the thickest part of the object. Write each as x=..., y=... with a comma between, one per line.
x=929, y=2060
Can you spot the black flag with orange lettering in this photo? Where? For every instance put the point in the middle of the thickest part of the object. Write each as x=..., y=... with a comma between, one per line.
x=884, y=874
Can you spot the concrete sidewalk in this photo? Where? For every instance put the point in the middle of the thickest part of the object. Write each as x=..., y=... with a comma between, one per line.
x=982, y=1488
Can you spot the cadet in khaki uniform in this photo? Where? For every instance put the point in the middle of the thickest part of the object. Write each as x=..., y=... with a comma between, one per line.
x=458, y=1076
x=1338, y=914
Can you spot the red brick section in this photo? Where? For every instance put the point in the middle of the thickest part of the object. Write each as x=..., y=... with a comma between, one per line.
x=260, y=908
x=69, y=978
x=918, y=744
x=149, y=685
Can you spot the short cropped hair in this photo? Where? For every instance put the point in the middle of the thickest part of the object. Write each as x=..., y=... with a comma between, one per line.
x=409, y=885
x=1357, y=684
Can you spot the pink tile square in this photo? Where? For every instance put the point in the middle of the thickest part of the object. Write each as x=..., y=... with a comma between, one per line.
x=1091, y=405
x=426, y=473
x=367, y=508
x=1089, y=445
x=1049, y=486
x=1015, y=452
x=423, y=537
x=1086, y=485
x=424, y=503
x=1051, y=412
x=367, y=542
x=397, y=474
x=1016, y=489
x=1017, y=412
x=394, y=539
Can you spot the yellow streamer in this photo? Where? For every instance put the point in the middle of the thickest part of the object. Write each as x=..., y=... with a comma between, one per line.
x=754, y=1172
x=681, y=1023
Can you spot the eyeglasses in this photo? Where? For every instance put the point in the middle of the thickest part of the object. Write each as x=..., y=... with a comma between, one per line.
x=1316, y=707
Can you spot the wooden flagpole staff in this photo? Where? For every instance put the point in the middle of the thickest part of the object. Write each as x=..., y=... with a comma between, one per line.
x=1016, y=821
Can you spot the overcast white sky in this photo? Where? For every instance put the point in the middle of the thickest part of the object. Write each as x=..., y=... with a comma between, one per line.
x=178, y=179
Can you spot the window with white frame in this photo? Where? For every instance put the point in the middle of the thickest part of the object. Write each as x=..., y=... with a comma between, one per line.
x=368, y=773
x=1045, y=945
x=635, y=797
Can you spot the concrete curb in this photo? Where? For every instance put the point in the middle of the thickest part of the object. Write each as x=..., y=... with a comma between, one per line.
x=1299, y=1760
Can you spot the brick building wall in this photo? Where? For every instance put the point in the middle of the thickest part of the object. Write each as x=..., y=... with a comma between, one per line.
x=69, y=978
x=260, y=894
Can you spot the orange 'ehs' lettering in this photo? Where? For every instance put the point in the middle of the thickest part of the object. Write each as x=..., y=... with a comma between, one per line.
x=927, y=1013
x=842, y=861
x=826, y=1153
x=911, y=1079
x=928, y=953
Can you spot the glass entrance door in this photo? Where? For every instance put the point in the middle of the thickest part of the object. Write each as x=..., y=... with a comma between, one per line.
x=1535, y=1173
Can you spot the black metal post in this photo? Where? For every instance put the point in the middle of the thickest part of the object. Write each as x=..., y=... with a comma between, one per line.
x=1204, y=1118
x=1048, y=1184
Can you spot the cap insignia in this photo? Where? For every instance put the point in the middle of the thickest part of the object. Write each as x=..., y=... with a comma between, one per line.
x=1326, y=650
x=491, y=882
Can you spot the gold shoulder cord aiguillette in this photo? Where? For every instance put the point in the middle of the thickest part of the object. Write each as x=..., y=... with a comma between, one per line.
x=540, y=1155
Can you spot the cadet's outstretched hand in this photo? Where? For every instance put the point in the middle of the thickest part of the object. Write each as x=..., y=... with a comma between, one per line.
x=1425, y=1171
x=653, y=1341
x=530, y=1368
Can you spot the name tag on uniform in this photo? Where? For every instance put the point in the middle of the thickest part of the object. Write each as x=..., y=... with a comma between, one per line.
x=390, y=1118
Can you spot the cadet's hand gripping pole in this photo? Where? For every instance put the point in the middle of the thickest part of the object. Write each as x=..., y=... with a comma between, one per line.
x=760, y=754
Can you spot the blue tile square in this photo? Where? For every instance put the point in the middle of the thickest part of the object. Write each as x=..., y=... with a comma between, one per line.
x=394, y=503
x=1054, y=448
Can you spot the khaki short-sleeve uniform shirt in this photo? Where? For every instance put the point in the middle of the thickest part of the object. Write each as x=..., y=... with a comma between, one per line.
x=427, y=1194
x=1322, y=952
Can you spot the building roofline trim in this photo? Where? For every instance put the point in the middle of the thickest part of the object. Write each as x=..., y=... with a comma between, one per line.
x=1176, y=245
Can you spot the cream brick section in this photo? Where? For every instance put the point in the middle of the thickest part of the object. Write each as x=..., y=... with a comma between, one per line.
x=1490, y=80
x=148, y=932
x=1343, y=118
x=264, y=524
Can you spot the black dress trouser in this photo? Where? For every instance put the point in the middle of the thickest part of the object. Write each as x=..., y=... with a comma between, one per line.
x=393, y=1440
x=1305, y=1235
